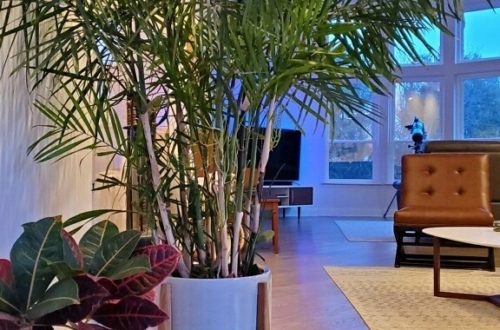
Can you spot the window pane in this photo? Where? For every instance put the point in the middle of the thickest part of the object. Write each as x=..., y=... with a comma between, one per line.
x=482, y=107
x=481, y=38
x=432, y=36
x=350, y=153
x=344, y=128
x=351, y=160
x=417, y=99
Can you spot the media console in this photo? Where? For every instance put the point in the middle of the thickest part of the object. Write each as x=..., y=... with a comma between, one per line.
x=289, y=196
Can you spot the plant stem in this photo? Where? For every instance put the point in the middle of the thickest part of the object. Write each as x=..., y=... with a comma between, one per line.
x=266, y=149
x=236, y=243
x=155, y=173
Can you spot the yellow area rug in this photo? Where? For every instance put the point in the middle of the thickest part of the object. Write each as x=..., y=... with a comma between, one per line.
x=402, y=298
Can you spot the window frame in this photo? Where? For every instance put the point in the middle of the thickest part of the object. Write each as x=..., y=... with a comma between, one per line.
x=390, y=173
x=376, y=131
x=450, y=73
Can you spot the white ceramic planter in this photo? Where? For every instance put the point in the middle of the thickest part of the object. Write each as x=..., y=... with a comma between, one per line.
x=216, y=304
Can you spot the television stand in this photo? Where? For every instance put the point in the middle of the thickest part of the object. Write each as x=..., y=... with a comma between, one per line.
x=272, y=183
x=289, y=196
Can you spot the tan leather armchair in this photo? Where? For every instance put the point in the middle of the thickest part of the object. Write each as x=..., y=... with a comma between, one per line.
x=442, y=189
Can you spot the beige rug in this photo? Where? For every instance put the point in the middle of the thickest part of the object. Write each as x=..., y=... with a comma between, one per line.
x=402, y=298
x=366, y=230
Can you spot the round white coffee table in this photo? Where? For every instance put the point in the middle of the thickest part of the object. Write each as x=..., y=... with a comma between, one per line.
x=481, y=236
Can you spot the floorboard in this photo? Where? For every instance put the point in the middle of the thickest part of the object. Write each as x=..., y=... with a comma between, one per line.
x=303, y=295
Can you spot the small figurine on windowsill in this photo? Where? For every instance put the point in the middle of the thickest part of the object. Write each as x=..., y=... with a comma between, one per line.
x=418, y=135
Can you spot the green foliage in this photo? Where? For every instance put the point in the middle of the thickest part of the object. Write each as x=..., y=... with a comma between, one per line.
x=93, y=239
x=33, y=254
x=61, y=294
x=39, y=246
x=45, y=283
x=215, y=73
x=114, y=253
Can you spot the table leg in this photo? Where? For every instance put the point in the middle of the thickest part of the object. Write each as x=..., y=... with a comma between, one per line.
x=275, y=227
x=437, y=265
x=495, y=299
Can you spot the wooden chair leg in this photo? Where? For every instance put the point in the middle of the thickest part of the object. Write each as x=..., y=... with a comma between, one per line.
x=398, y=234
x=491, y=259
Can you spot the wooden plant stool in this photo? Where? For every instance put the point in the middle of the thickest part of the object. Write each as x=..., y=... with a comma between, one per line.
x=272, y=204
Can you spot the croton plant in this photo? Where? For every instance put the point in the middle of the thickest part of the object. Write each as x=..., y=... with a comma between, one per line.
x=104, y=282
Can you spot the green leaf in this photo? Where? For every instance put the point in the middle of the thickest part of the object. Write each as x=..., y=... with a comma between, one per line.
x=71, y=252
x=93, y=239
x=38, y=246
x=60, y=295
x=134, y=265
x=265, y=236
x=64, y=271
x=155, y=104
x=114, y=252
x=87, y=216
x=8, y=301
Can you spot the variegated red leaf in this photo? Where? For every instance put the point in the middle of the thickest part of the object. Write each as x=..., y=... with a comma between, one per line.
x=71, y=251
x=163, y=259
x=8, y=322
x=6, y=275
x=150, y=295
x=90, y=294
x=86, y=326
x=8, y=325
x=131, y=313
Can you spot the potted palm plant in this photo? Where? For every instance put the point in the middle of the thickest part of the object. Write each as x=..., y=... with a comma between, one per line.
x=198, y=80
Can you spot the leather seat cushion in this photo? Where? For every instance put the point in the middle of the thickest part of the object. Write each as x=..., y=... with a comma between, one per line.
x=435, y=216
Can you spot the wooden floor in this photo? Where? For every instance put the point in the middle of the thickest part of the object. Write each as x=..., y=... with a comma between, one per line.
x=303, y=295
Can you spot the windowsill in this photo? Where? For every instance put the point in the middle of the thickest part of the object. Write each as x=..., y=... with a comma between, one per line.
x=354, y=183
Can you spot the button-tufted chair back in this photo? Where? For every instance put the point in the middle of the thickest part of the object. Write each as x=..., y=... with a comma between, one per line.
x=492, y=148
x=445, y=181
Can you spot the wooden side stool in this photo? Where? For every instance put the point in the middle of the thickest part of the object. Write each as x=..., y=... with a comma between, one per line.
x=272, y=204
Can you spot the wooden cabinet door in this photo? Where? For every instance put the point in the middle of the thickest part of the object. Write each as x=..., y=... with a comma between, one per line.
x=301, y=196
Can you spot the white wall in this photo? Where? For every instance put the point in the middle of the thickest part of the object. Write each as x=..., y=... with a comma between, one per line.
x=29, y=191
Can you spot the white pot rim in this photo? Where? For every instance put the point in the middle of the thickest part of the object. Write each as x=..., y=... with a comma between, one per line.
x=264, y=274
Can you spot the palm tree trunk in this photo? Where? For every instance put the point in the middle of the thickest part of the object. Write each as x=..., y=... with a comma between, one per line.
x=222, y=222
x=155, y=173
x=264, y=158
x=236, y=243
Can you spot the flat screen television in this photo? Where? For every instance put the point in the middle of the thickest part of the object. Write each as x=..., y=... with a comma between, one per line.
x=283, y=166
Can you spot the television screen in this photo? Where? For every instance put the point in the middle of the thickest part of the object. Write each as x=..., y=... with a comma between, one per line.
x=284, y=160
x=283, y=165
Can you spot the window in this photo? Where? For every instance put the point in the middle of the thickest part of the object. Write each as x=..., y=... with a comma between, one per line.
x=457, y=96
x=480, y=39
x=433, y=38
x=351, y=150
x=414, y=99
x=481, y=107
